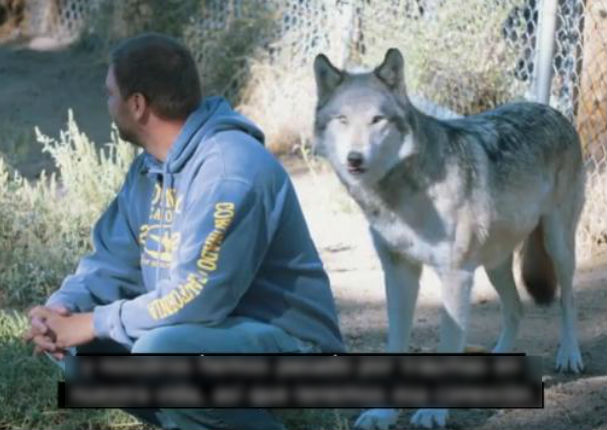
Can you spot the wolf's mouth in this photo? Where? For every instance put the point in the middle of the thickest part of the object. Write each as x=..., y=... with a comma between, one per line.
x=356, y=170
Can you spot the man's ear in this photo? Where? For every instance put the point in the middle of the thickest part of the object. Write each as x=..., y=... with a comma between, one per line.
x=138, y=105
x=328, y=77
x=391, y=71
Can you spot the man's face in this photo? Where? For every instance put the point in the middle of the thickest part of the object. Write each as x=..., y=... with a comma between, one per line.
x=119, y=111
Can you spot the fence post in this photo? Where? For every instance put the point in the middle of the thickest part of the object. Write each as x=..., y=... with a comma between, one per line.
x=348, y=13
x=544, y=50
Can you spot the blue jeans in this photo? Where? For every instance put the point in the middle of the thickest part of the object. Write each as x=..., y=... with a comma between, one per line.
x=237, y=334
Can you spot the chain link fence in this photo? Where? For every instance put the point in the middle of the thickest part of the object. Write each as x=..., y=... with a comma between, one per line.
x=467, y=56
x=61, y=20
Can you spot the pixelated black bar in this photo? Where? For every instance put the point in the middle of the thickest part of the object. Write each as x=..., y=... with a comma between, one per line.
x=302, y=381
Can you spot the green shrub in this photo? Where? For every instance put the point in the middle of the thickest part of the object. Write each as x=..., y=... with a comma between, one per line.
x=45, y=225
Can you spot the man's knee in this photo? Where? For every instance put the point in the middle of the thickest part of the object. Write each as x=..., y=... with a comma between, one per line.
x=158, y=341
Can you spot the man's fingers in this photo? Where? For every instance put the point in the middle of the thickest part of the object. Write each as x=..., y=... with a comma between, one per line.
x=60, y=309
x=60, y=344
x=37, y=350
x=35, y=311
x=40, y=312
x=51, y=322
x=58, y=355
x=44, y=343
x=43, y=312
x=29, y=335
x=38, y=325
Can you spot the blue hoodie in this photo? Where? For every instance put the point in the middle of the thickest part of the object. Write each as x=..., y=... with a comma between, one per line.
x=214, y=231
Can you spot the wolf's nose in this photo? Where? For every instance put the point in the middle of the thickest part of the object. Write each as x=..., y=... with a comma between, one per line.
x=355, y=159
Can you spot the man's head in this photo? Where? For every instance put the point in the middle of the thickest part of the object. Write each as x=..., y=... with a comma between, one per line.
x=150, y=76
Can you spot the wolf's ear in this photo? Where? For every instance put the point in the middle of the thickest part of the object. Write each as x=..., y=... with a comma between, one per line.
x=328, y=77
x=391, y=70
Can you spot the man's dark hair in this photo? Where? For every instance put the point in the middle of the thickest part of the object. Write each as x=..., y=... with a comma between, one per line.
x=162, y=70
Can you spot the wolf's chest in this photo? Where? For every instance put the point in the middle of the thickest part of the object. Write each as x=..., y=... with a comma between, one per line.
x=422, y=238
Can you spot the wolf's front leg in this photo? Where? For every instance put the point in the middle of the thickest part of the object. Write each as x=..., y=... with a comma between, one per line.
x=401, y=278
x=456, y=289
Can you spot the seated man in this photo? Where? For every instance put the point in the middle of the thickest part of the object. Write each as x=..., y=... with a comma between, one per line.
x=205, y=247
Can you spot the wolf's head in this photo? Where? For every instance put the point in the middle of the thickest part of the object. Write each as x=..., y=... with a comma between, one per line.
x=362, y=122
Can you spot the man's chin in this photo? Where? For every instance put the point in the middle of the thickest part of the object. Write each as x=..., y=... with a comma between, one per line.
x=128, y=137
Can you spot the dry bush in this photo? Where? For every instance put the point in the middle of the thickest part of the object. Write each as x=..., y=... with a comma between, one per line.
x=11, y=17
x=45, y=225
x=281, y=100
x=455, y=55
x=592, y=230
x=226, y=45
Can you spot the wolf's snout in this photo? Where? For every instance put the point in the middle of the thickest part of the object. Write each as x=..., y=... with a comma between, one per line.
x=355, y=159
x=355, y=162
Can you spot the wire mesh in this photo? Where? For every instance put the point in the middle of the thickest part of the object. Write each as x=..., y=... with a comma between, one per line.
x=467, y=56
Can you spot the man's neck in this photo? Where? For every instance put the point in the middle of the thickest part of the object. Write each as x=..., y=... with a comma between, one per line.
x=162, y=137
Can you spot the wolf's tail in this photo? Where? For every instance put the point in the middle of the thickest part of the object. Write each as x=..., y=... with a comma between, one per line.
x=538, y=269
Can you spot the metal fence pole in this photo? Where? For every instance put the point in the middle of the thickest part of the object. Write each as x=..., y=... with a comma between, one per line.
x=544, y=48
x=348, y=12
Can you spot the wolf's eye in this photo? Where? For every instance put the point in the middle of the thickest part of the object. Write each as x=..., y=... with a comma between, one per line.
x=378, y=118
x=342, y=119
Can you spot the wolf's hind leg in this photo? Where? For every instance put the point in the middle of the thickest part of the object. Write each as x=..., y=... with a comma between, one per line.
x=559, y=240
x=502, y=279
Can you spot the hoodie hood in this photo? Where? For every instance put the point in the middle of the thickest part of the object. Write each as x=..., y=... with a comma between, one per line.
x=212, y=116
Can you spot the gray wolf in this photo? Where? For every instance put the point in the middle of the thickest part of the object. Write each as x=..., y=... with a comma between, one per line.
x=455, y=195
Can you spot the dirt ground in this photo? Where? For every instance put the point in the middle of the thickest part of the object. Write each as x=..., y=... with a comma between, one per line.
x=37, y=88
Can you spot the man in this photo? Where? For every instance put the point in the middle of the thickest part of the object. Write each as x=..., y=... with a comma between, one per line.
x=204, y=249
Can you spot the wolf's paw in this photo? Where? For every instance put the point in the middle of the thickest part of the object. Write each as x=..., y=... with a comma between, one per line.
x=430, y=418
x=568, y=358
x=380, y=419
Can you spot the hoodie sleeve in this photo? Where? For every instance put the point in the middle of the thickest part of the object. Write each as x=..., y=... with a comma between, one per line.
x=112, y=270
x=223, y=235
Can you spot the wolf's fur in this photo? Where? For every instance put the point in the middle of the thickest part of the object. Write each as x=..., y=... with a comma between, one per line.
x=455, y=195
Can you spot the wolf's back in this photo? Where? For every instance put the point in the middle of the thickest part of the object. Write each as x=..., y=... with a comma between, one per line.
x=521, y=133
x=523, y=142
